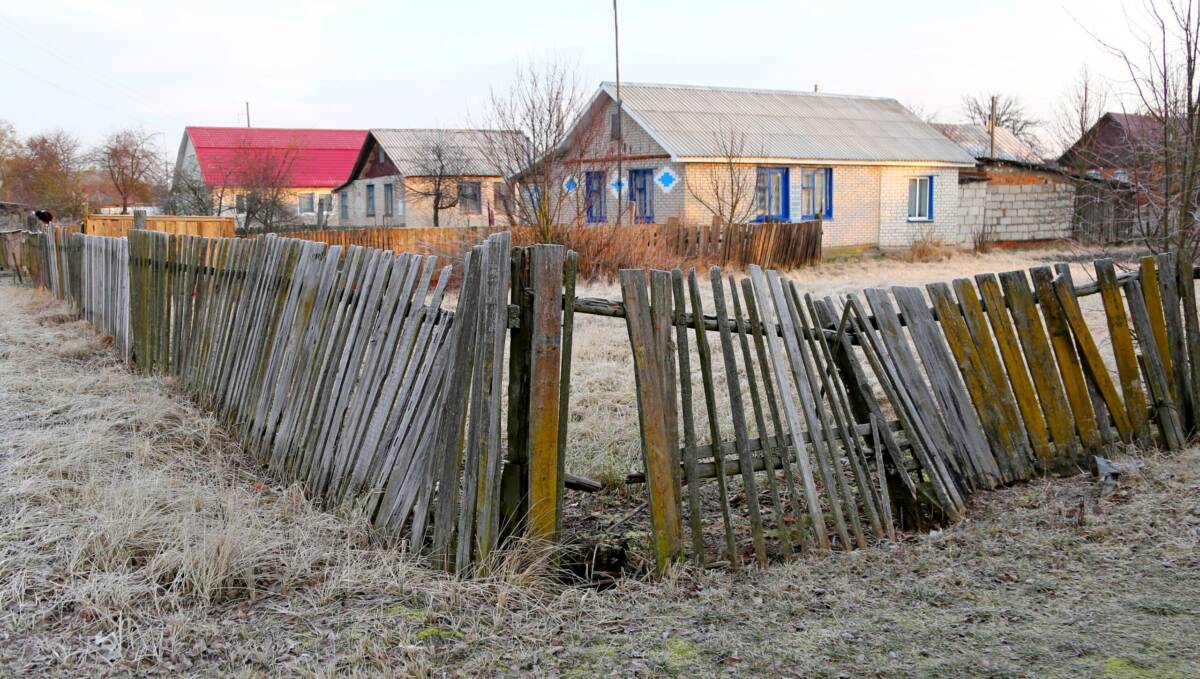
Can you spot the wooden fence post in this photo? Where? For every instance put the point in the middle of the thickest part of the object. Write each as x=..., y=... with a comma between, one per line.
x=545, y=345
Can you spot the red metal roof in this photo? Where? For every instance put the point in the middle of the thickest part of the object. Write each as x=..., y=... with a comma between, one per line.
x=317, y=158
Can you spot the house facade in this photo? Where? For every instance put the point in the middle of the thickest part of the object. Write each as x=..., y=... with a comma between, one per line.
x=399, y=175
x=1010, y=194
x=872, y=171
x=225, y=164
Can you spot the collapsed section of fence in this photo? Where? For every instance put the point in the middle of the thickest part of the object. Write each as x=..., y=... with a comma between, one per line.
x=843, y=420
x=342, y=370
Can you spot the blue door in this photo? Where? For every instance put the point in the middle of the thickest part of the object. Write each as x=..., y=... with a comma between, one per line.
x=594, y=191
x=641, y=195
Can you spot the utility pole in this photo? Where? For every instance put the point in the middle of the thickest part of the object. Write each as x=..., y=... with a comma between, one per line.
x=247, y=114
x=992, y=129
x=620, y=123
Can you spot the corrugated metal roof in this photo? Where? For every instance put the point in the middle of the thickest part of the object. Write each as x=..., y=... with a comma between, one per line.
x=409, y=149
x=317, y=158
x=974, y=139
x=689, y=121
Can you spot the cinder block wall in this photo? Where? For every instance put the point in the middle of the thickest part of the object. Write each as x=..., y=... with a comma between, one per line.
x=1029, y=211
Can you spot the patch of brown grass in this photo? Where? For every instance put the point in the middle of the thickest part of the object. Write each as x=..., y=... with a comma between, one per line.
x=927, y=248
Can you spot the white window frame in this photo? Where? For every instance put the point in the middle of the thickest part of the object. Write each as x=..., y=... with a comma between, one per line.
x=913, y=205
x=309, y=197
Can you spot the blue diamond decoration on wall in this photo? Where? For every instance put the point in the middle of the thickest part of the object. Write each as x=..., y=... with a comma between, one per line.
x=569, y=184
x=617, y=185
x=667, y=179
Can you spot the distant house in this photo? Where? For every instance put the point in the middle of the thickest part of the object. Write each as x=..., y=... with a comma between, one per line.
x=399, y=174
x=1010, y=194
x=874, y=172
x=1117, y=147
x=225, y=163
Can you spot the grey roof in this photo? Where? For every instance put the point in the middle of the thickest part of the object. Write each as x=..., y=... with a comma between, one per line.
x=975, y=141
x=407, y=148
x=803, y=126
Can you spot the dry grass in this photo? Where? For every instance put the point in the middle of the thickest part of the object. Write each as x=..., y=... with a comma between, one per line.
x=927, y=248
x=135, y=538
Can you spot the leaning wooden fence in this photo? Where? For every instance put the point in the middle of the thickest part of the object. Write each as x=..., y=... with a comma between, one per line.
x=847, y=418
x=340, y=368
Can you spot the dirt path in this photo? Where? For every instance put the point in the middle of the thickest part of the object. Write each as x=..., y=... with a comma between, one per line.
x=135, y=538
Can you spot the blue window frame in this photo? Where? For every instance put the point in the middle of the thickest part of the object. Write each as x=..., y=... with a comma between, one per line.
x=344, y=204
x=370, y=200
x=771, y=194
x=816, y=193
x=641, y=194
x=920, y=199
x=593, y=191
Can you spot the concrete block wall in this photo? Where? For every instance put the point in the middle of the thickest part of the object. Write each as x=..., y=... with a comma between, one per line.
x=972, y=205
x=1029, y=211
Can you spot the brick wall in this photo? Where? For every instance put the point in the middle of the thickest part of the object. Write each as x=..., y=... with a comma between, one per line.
x=895, y=228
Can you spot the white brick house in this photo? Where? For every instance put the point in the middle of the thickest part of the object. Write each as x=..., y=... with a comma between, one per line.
x=391, y=182
x=875, y=173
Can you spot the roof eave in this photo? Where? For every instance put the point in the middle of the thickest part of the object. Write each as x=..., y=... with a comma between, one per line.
x=825, y=161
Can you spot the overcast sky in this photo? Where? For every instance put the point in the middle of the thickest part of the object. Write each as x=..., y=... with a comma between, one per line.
x=94, y=67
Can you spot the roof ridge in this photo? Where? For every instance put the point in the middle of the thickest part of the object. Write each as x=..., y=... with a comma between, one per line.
x=747, y=90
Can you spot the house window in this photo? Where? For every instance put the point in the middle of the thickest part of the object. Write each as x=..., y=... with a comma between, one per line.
x=388, y=199
x=771, y=194
x=239, y=204
x=641, y=195
x=305, y=203
x=920, y=199
x=370, y=200
x=469, y=198
x=816, y=193
x=379, y=154
x=344, y=204
x=593, y=183
x=614, y=126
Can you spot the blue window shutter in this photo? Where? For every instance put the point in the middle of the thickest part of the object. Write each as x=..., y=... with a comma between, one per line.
x=829, y=193
x=931, y=198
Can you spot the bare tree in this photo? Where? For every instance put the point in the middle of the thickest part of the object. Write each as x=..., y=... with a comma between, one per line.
x=1164, y=81
x=263, y=178
x=727, y=190
x=1085, y=101
x=1010, y=114
x=132, y=164
x=528, y=141
x=440, y=163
